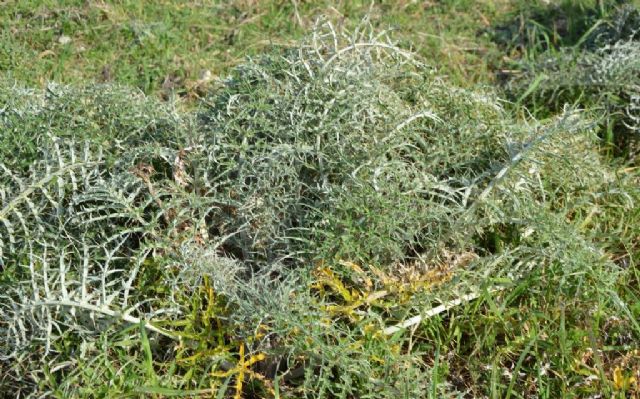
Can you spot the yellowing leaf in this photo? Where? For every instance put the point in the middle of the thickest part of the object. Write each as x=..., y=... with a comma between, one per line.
x=621, y=382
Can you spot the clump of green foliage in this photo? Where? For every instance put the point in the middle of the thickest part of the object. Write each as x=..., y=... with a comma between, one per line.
x=594, y=62
x=336, y=220
x=532, y=28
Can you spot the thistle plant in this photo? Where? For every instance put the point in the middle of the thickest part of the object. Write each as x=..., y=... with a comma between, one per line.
x=305, y=229
x=600, y=72
x=76, y=227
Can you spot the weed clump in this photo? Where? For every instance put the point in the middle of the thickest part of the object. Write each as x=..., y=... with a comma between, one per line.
x=346, y=143
x=599, y=70
x=333, y=216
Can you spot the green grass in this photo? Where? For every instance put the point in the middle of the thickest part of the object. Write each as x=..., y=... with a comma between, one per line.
x=155, y=46
x=169, y=47
x=261, y=230
x=578, y=53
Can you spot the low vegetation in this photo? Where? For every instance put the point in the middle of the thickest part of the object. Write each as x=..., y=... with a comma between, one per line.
x=340, y=216
x=598, y=68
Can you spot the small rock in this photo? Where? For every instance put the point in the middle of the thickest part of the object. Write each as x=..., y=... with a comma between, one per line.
x=206, y=76
x=64, y=40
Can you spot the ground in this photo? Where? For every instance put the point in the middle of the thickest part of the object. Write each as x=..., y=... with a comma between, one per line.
x=487, y=248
